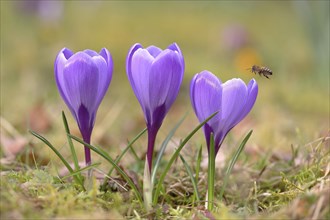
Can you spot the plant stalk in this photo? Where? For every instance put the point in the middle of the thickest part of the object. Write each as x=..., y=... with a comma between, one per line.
x=88, y=158
x=151, y=144
x=211, y=175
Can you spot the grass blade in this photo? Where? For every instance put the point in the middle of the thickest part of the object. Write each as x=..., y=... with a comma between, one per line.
x=163, y=147
x=66, y=164
x=129, y=146
x=73, y=152
x=198, y=164
x=233, y=161
x=110, y=160
x=117, y=160
x=191, y=175
x=81, y=170
x=175, y=155
x=136, y=157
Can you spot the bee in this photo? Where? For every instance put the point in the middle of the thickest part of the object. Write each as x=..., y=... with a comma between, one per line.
x=261, y=70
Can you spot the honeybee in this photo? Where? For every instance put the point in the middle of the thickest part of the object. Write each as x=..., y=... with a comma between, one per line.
x=261, y=70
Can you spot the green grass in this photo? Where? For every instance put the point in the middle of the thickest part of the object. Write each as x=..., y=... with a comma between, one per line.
x=280, y=188
x=283, y=172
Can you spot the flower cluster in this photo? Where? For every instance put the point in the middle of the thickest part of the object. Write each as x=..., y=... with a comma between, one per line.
x=155, y=76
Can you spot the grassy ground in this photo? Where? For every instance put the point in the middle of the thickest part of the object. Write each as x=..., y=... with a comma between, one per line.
x=284, y=171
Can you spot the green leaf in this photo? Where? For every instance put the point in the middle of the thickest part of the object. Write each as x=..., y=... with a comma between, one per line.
x=163, y=147
x=233, y=161
x=81, y=170
x=198, y=164
x=191, y=175
x=117, y=160
x=79, y=181
x=129, y=146
x=106, y=156
x=173, y=158
x=73, y=152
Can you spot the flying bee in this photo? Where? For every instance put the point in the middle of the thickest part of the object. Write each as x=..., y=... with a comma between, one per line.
x=261, y=70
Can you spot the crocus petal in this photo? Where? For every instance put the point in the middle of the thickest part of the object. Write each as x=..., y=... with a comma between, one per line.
x=165, y=78
x=176, y=48
x=251, y=98
x=104, y=77
x=139, y=78
x=82, y=87
x=233, y=99
x=154, y=51
x=60, y=62
x=177, y=77
x=91, y=53
x=131, y=52
x=206, y=95
x=108, y=58
x=133, y=49
x=234, y=96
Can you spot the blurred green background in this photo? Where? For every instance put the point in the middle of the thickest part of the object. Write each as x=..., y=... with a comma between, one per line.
x=224, y=37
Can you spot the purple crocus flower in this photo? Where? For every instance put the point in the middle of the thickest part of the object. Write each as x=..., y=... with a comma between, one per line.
x=233, y=100
x=155, y=76
x=82, y=80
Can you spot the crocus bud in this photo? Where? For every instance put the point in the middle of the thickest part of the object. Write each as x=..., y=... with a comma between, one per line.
x=233, y=100
x=155, y=76
x=82, y=80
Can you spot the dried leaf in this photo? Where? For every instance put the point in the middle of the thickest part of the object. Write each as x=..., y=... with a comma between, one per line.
x=39, y=119
x=12, y=146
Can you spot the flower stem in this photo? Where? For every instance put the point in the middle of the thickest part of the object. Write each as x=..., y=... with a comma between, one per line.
x=88, y=158
x=211, y=175
x=151, y=144
x=88, y=161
